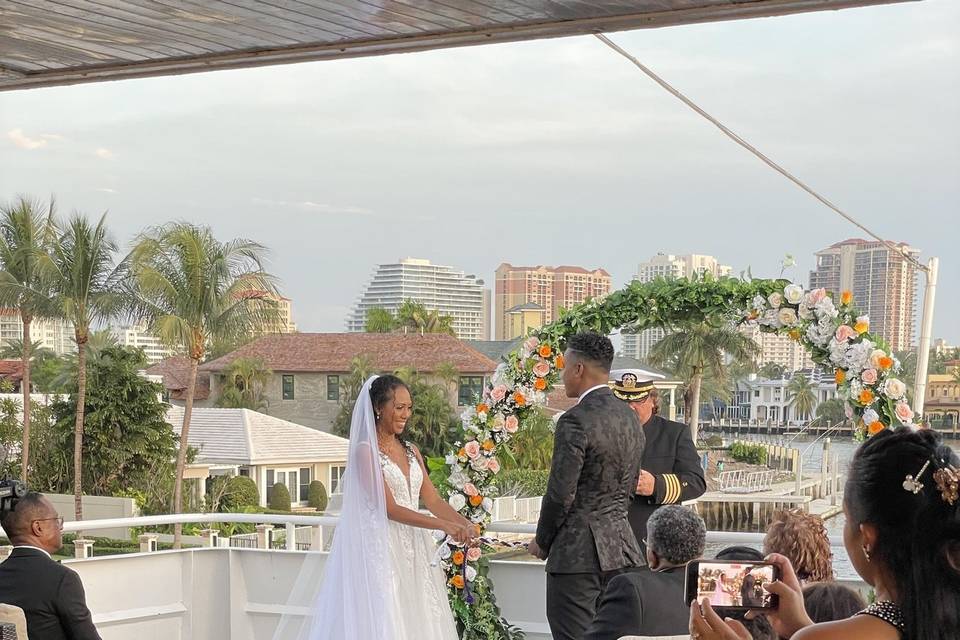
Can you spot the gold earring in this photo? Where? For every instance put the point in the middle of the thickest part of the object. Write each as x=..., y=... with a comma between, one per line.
x=866, y=553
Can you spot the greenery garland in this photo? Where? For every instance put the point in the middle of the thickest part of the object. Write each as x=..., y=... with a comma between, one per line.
x=834, y=333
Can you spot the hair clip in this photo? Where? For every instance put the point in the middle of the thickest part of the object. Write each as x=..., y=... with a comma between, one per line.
x=948, y=483
x=913, y=485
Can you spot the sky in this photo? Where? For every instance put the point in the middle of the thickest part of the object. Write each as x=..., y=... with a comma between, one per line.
x=543, y=152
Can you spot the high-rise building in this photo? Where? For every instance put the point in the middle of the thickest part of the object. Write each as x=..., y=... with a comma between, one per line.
x=285, y=309
x=778, y=348
x=53, y=334
x=138, y=336
x=552, y=288
x=638, y=345
x=444, y=289
x=883, y=283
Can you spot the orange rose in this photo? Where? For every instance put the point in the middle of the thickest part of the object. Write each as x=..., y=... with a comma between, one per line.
x=462, y=453
x=545, y=351
x=476, y=501
x=482, y=408
x=559, y=361
x=885, y=362
x=794, y=333
x=488, y=445
x=540, y=384
x=840, y=376
x=875, y=428
x=846, y=297
x=457, y=581
x=519, y=399
x=458, y=557
x=861, y=327
x=866, y=397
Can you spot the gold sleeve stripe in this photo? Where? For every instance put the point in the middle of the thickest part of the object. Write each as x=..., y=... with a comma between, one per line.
x=672, y=488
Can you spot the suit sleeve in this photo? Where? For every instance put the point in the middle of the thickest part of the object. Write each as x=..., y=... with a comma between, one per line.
x=72, y=609
x=686, y=482
x=569, y=448
x=620, y=612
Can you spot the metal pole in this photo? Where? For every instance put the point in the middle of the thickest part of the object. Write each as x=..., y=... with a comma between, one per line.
x=926, y=329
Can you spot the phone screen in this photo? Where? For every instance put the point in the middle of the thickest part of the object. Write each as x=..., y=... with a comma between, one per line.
x=731, y=585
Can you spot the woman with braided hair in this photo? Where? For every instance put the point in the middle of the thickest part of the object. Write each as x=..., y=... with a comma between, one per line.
x=902, y=535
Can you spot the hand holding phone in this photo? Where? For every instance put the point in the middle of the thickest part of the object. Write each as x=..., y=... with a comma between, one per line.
x=732, y=586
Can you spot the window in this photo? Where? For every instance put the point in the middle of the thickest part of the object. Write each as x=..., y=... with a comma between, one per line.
x=336, y=476
x=270, y=481
x=333, y=388
x=471, y=387
x=287, y=387
x=304, y=484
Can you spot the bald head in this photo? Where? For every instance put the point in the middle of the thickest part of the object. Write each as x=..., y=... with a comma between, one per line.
x=33, y=521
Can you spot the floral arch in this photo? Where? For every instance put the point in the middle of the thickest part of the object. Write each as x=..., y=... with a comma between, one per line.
x=834, y=333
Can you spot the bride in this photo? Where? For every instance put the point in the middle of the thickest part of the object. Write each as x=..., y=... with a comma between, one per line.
x=378, y=581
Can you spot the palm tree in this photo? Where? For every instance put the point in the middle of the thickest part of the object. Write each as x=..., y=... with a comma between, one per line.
x=25, y=237
x=244, y=382
x=361, y=368
x=801, y=396
x=772, y=371
x=429, y=424
x=413, y=315
x=831, y=412
x=379, y=320
x=192, y=291
x=14, y=350
x=86, y=288
x=532, y=446
x=97, y=343
x=701, y=349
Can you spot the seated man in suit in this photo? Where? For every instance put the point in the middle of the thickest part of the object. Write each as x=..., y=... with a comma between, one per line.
x=49, y=593
x=650, y=602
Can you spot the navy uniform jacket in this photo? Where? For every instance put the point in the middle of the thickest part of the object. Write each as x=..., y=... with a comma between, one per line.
x=673, y=460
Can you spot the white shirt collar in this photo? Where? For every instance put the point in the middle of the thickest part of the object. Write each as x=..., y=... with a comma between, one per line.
x=27, y=546
x=594, y=388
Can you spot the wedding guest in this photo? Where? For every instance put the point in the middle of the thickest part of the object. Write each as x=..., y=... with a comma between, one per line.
x=827, y=601
x=902, y=535
x=50, y=594
x=650, y=601
x=802, y=538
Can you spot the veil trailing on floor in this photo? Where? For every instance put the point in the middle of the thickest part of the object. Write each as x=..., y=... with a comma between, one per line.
x=350, y=594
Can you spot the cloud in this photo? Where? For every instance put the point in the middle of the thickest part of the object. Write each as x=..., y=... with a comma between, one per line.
x=105, y=154
x=24, y=142
x=308, y=205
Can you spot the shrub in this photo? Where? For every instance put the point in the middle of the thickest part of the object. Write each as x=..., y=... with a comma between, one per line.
x=526, y=483
x=241, y=492
x=317, y=496
x=749, y=453
x=279, y=498
x=714, y=441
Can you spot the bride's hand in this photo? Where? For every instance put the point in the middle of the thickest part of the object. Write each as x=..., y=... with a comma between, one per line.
x=457, y=531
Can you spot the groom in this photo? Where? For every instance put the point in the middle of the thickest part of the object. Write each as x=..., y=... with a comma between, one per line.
x=583, y=532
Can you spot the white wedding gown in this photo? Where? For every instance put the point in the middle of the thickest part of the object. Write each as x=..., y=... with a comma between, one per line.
x=420, y=605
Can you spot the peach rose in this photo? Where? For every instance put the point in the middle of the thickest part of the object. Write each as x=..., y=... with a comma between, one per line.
x=846, y=297
x=511, y=424
x=519, y=399
x=494, y=465
x=472, y=448
x=531, y=343
x=904, y=412
x=473, y=554
x=541, y=369
x=497, y=422
x=844, y=333
x=470, y=489
x=498, y=393
x=869, y=376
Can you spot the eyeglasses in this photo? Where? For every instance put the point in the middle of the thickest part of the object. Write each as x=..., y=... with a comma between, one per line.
x=59, y=520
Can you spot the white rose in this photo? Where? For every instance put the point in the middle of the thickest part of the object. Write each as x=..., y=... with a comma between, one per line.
x=478, y=517
x=894, y=388
x=759, y=302
x=471, y=573
x=439, y=536
x=457, y=501
x=787, y=317
x=450, y=459
x=793, y=293
x=480, y=463
x=870, y=416
x=445, y=552
x=487, y=505
x=805, y=312
x=775, y=300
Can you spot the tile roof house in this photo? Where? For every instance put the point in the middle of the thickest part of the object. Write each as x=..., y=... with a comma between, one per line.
x=175, y=372
x=12, y=371
x=262, y=447
x=308, y=368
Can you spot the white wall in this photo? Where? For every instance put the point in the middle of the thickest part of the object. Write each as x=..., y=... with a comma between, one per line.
x=97, y=508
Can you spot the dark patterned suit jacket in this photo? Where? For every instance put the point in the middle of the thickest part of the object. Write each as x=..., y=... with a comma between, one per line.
x=583, y=523
x=672, y=458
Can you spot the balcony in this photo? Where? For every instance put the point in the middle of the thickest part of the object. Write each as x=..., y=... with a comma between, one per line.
x=221, y=593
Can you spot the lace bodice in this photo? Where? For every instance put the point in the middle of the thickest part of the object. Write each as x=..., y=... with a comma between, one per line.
x=404, y=494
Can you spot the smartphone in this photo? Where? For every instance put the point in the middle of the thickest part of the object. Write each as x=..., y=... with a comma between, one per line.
x=731, y=586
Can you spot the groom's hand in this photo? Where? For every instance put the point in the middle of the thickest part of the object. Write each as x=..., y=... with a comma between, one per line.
x=535, y=550
x=646, y=484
